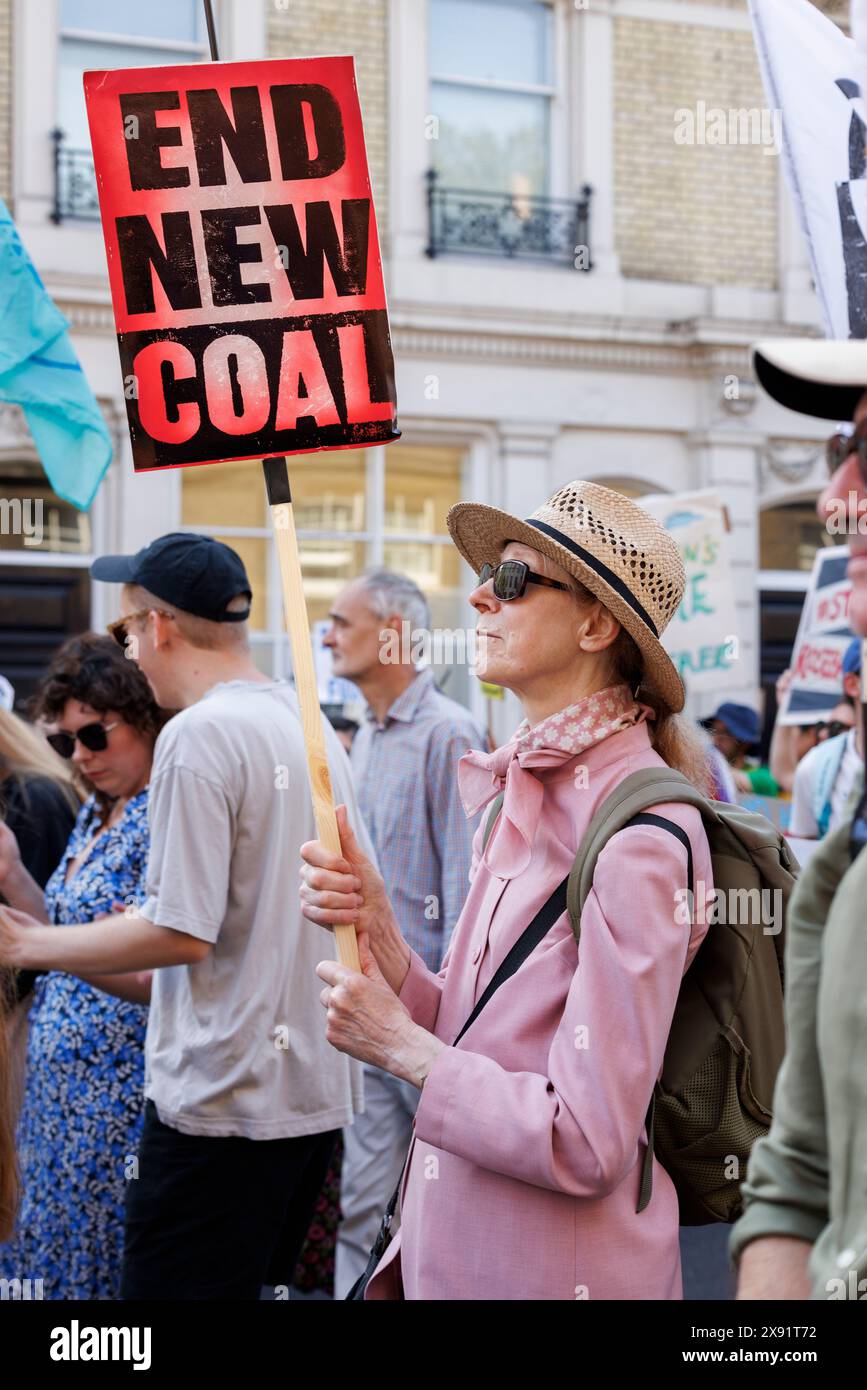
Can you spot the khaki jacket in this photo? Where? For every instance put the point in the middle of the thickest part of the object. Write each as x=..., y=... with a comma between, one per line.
x=808, y=1178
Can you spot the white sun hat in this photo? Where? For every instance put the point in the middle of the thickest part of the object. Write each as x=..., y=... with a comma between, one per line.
x=823, y=377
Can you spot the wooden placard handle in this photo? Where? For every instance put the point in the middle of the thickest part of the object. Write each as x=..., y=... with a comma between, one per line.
x=298, y=627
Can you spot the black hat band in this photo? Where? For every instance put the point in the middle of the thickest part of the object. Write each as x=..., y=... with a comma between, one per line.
x=598, y=567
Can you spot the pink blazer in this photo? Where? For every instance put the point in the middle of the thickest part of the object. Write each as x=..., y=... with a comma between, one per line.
x=528, y=1139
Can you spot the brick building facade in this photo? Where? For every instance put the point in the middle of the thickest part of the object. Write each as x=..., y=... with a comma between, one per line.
x=514, y=374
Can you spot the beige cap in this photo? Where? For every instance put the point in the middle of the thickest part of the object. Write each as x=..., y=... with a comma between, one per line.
x=613, y=547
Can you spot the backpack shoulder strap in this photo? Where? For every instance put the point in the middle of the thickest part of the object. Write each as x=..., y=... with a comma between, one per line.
x=627, y=805
x=635, y=794
x=647, y=818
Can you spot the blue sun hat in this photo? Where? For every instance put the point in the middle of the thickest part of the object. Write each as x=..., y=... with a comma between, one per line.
x=851, y=664
x=740, y=721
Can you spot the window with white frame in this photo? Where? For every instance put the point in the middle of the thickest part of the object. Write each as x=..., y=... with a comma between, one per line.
x=492, y=82
x=97, y=34
x=353, y=509
x=34, y=519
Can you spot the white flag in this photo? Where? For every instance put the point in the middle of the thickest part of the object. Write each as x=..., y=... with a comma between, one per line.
x=813, y=74
x=858, y=30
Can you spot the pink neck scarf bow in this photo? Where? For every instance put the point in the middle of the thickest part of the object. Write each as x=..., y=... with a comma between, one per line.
x=481, y=776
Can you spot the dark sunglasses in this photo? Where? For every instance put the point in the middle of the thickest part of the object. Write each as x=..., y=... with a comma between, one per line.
x=845, y=443
x=93, y=737
x=511, y=578
x=118, y=631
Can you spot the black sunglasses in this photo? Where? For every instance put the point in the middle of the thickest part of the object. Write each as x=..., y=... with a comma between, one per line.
x=511, y=578
x=118, y=631
x=844, y=443
x=93, y=737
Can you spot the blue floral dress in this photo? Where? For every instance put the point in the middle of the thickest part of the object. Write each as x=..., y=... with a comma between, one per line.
x=83, y=1103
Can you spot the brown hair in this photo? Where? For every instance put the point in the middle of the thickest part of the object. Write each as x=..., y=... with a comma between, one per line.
x=25, y=754
x=673, y=736
x=94, y=670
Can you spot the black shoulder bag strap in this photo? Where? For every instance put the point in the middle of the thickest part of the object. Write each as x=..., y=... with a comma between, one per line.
x=526, y=943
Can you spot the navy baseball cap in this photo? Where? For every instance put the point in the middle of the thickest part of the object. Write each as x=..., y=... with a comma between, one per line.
x=852, y=658
x=740, y=721
x=197, y=574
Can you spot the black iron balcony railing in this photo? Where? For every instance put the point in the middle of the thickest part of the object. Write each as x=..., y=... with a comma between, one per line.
x=75, y=196
x=507, y=224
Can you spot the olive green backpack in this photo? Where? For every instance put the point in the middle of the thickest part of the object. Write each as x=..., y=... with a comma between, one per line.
x=727, y=1038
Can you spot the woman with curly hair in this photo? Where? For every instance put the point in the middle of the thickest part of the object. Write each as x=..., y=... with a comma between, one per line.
x=83, y=1101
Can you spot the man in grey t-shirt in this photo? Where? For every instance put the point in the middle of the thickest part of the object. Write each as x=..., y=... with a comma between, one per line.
x=244, y=1096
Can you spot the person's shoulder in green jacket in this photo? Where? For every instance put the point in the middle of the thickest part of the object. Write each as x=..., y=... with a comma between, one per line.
x=805, y=1177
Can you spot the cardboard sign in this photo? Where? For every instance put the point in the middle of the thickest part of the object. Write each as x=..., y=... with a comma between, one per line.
x=823, y=636
x=702, y=637
x=243, y=259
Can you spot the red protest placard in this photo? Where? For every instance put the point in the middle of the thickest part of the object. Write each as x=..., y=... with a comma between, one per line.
x=243, y=258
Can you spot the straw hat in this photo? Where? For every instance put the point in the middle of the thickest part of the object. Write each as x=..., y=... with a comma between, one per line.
x=611, y=545
x=822, y=377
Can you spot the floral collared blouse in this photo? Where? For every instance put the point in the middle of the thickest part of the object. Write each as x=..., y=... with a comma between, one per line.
x=83, y=1104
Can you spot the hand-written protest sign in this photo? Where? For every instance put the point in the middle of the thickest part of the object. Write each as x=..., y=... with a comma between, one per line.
x=823, y=636
x=243, y=258
x=701, y=638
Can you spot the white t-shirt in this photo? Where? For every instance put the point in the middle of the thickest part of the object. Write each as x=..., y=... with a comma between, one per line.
x=803, y=823
x=236, y=1042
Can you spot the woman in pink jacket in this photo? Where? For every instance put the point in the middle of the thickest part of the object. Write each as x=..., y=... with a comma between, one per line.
x=523, y=1175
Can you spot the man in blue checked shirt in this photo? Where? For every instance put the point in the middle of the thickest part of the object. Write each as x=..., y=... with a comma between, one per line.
x=405, y=760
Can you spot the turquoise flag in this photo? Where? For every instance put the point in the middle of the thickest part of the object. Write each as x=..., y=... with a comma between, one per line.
x=40, y=372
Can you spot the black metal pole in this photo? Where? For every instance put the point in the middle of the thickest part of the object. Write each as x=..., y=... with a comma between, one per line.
x=212, y=32
x=56, y=212
x=431, y=248
x=278, y=469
